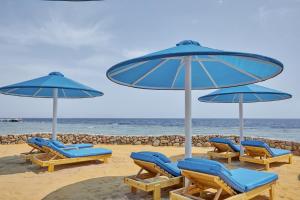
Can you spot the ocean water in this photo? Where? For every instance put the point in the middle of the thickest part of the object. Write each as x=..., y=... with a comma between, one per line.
x=287, y=129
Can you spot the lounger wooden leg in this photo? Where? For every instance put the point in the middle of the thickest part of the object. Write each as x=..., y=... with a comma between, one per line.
x=51, y=168
x=229, y=160
x=290, y=159
x=156, y=192
x=133, y=190
x=272, y=192
x=218, y=194
x=267, y=166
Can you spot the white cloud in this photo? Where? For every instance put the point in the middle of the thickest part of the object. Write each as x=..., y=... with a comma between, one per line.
x=57, y=31
x=266, y=13
x=133, y=53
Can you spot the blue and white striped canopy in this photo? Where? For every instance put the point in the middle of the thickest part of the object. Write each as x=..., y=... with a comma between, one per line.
x=211, y=68
x=246, y=94
x=43, y=88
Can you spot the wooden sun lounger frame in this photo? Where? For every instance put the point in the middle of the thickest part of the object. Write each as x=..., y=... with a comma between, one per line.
x=199, y=182
x=261, y=155
x=53, y=158
x=34, y=151
x=222, y=150
x=153, y=180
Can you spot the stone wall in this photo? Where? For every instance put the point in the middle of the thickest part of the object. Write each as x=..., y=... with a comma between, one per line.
x=165, y=140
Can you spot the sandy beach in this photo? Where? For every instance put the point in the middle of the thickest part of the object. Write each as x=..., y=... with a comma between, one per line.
x=19, y=180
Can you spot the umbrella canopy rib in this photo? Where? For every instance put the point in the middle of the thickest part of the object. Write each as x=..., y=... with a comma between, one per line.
x=237, y=68
x=181, y=65
x=208, y=74
x=163, y=61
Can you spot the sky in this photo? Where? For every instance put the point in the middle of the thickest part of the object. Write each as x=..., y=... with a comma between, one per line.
x=84, y=39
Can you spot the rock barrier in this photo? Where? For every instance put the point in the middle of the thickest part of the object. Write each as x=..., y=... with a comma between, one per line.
x=164, y=140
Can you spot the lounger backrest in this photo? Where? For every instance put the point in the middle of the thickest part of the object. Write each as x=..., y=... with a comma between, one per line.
x=225, y=141
x=58, y=144
x=212, y=168
x=158, y=159
x=37, y=141
x=256, y=143
x=158, y=155
x=59, y=151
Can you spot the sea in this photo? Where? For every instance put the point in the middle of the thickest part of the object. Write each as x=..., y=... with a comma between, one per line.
x=285, y=129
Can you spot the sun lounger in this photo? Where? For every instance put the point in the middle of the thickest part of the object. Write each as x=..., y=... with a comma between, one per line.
x=59, y=156
x=36, y=144
x=208, y=178
x=160, y=173
x=259, y=152
x=224, y=148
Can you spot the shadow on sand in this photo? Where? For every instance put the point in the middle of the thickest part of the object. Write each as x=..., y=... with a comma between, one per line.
x=15, y=164
x=106, y=188
x=111, y=187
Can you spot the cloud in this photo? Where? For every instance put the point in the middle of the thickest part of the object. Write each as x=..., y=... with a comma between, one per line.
x=133, y=53
x=58, y=32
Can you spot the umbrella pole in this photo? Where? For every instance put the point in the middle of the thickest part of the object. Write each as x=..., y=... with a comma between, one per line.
x=188, y=107
x=54, y=118
x=241, y=123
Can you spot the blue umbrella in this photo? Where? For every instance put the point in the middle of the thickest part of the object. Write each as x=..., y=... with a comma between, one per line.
x=55, y=86
x=244, y=94
x=188, y=66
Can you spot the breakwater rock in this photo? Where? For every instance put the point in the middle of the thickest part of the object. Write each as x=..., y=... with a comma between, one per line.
x=164, y=140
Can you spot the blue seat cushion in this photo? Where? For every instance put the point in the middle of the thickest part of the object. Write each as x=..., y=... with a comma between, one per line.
x=241, y=180
x=251, y=179
x=232, y=145
x=274, y=152
x=62, y=145
x=84, y=152
x=156, y=158
x=280, y=152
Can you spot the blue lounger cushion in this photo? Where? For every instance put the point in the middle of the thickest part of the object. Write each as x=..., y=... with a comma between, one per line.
x=84, y=152
x=159, y=159
x=232, y=145
x=273, y=151
x=241, y=180
x=75, y=153
x=217, y=164
x=158, y=155
x=38, y=141
x=62, y=145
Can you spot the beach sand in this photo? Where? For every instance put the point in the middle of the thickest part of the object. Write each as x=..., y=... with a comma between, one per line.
x=25, y=181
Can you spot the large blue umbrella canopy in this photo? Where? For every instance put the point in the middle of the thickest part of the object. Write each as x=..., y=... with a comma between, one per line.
x=244, y=94
x=188, y=66
x=247, y=94
x=43, y=88
x=55, y=85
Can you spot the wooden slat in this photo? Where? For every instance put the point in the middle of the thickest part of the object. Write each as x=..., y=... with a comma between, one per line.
x=216, y=183
x=153, y=181
x=260, y=155
x=222, y=151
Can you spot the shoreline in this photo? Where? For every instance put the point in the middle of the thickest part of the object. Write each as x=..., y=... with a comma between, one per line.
x=162, y=140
